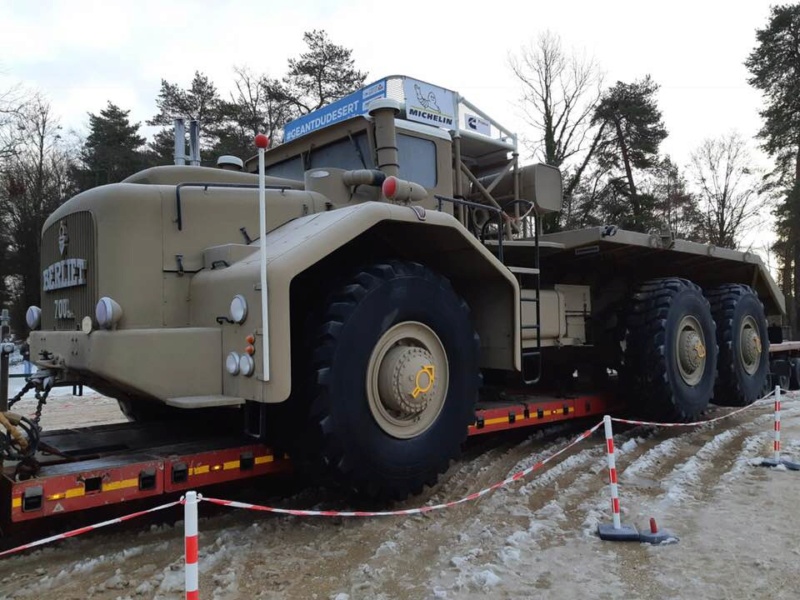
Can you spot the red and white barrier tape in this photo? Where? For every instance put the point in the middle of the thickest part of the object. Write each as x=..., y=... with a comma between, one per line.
x=758, y=403
x=87, y=529
x=409, y=511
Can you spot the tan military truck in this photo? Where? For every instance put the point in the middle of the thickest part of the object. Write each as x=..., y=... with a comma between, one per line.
x=407, y=287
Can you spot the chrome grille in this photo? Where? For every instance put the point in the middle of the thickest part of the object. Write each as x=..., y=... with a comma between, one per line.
x=73, y=291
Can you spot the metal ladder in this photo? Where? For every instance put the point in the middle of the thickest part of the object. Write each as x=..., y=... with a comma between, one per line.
x=531, y=355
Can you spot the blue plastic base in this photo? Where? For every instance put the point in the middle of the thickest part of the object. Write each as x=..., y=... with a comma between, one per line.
x=660, y=537
x=771, y=462
x=625, y=533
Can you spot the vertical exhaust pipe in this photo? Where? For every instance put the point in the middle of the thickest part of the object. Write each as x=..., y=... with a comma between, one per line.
x=180, y=142
x=194, y=143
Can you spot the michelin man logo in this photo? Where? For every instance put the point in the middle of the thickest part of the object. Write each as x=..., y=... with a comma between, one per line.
x=428, y=103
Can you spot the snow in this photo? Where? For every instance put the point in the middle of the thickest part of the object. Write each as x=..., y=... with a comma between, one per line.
x=535, y=538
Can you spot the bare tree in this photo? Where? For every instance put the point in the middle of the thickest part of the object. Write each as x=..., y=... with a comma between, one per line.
x=12, y=103
x=728, y=189
x=34, y=181
x=259, y=104
x=560, y=92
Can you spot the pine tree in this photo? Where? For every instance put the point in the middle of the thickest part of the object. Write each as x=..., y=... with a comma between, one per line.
x=112, y=151
x=200, y=102
x=323, y=74
x=774, y=65
x=635, y=131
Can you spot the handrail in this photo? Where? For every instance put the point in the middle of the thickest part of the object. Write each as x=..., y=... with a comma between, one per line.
x=248, y=186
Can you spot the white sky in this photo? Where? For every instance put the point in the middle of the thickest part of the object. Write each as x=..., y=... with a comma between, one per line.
x=84, y=53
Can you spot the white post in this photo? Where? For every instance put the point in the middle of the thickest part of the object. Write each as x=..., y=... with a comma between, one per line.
x=612, y=472
x=261, y=142
x=777, y=443
x=191, y=546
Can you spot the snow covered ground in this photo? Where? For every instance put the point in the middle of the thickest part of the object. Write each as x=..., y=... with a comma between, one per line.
x=737, y=525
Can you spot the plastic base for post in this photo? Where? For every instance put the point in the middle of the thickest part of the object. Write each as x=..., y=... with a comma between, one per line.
x=625, y=533
x=663, y=536
x=771, y=462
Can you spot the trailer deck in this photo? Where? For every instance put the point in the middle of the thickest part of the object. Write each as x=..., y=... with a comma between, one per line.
x=84, y=468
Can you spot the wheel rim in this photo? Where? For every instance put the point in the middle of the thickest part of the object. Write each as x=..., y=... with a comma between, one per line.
x=407, y=379
x=749, y=345
x=690, y=348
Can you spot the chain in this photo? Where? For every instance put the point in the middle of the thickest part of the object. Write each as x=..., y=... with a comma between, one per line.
x=28, y=386
x=10, y=447
x=42, y=400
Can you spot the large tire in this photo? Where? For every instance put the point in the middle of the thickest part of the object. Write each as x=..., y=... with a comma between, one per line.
x=378, y=335
x=743, y=344
x=794, y=373
x=670, y=351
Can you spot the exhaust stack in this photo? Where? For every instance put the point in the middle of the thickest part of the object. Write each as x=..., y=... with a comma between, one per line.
x=194, y=143
x=180, y=142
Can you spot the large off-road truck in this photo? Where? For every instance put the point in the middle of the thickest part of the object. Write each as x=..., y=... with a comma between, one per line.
x=401, y=282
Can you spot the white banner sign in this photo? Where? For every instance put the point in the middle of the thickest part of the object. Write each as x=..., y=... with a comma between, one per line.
x=429, y=104
x=478, y=125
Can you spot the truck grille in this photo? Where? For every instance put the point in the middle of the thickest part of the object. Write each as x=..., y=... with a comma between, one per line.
x=69, y=272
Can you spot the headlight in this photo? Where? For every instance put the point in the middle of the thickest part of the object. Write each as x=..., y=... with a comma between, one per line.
x=33, y=316
x=107, y=312
x=232, y=363
x=238, y=309
x=247, y=365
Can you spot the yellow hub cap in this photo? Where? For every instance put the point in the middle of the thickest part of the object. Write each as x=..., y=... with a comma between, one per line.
x=690, y=350
x=407, y=379
x=750, y=346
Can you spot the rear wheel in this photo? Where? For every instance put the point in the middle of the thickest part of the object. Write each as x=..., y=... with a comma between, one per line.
x=743, y=344
x=670, y=350
x=396, y=370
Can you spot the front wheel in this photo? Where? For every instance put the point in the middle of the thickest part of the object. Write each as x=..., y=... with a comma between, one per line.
x=397, y=378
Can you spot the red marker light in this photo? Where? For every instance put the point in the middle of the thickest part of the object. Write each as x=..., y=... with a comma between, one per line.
x=389, y=187
x=262, y=141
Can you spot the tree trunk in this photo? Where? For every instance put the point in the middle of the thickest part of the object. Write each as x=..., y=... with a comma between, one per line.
x=628, y=172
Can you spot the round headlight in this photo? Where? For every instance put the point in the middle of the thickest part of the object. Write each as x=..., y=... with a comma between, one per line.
x=247, y=365
x=107, y=312
x=232, y=363
x=238, y=309
x=33, y=316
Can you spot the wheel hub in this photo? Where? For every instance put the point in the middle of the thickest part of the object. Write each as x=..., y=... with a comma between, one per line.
x=407, y=379
x=691, y=351
x=750, y=345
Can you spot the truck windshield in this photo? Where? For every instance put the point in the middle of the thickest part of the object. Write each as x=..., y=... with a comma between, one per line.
x=417, y=159
x=342, y=154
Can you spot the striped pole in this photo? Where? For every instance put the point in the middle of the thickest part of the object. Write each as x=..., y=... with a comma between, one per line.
x=777, y=443
x=612, y=472
x=191, y=546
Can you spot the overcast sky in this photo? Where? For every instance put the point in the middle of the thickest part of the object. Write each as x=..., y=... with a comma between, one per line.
x=82, y=54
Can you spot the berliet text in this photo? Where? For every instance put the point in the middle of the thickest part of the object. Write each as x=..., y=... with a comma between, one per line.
x=65, y=273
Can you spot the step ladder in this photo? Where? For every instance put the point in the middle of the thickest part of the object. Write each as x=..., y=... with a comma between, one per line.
x=530, y=358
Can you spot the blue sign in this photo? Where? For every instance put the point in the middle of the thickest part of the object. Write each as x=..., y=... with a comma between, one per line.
x=345, y=108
